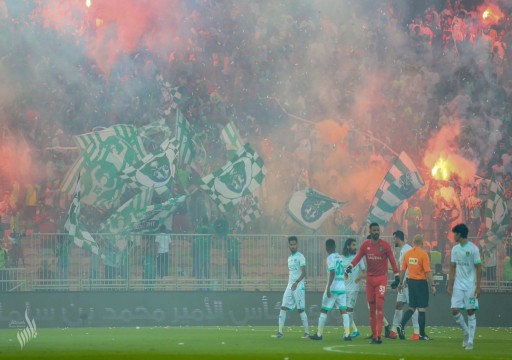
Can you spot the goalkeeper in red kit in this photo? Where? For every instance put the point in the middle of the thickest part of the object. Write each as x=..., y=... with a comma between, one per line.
x=377, y=253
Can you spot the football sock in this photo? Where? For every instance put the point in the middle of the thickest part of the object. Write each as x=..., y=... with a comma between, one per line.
x=321, y=324
x=373, y=319
x=397, y=317
x=379, y=314
x=406, y=317
x=346, y=324
x=459, y=319
x=415, y=323
x=385, y=321
x=472, y=327
x=282, y=319
x=422, y=318
x=304, y=319
x=352, y=323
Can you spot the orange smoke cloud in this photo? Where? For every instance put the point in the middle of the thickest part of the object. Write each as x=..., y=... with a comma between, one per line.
x=112, y=28
x=442, y=155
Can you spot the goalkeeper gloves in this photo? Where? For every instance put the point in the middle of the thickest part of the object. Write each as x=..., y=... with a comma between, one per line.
x=395, y=283
x=348, y=270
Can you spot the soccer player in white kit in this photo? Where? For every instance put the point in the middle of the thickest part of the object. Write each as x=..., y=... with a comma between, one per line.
x=334, y=294
x=464, y=282
x=352, y=283
x=295, y=294
x=403, y=297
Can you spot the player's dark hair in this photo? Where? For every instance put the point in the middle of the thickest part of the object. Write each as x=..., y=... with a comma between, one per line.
x=372, y=225
x=399, y=234
x=368, y=237
x=292, y=238
x=330, y=244
x=461, y=229
x=346, y=246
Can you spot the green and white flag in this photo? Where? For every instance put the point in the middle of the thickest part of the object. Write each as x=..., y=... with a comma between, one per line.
x=184, y=135
x=81, y=237
x=247, y=210
x=153, y=216
x=399, y=184
x=103, y=155
x=241, y=176
x=231, y=137
x=128, y=214
x=155, y=170
x=311, y=208
x=496, y=212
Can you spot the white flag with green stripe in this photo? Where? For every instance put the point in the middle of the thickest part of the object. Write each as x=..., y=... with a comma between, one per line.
x=311, y=208
x=399, y=184
x=241, y=176
x=104, y=154
x=128, y=214
x=184, y=134
x=231, y=137
x=497, y=217
x=153, y=216
x=81, y=237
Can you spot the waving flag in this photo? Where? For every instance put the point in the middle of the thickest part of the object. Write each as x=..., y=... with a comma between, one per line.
x=231, y=137
x=155, y=170
x=241, y=176
x=128, y=214
x=184, y=134
x=247, y=210
x=496, y=213
x=81, y=237
x=311, y=208
x=104, y=154
x=153, y=216
x=399, y=184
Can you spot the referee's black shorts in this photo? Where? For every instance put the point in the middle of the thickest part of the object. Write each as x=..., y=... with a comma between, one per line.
x=418, y=293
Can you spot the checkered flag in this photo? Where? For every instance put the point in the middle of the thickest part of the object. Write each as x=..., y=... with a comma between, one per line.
x=400, y=183
x=248, y=210
x=172, y=97
x=496, y=213
x=241, y=176
x=81, y=237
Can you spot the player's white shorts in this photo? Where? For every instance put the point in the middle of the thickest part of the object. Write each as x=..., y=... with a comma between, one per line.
x=352, y=298
x=464, y=299
x=294, y=299
x=403, y=296
x=338, y=301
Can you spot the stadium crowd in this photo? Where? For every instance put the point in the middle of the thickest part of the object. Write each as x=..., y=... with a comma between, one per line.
x=454, y=67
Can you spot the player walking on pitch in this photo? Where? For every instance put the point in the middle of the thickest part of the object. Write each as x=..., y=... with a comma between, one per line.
x=464, y=282
x=377, y=253
x=295, y=294
x=334, y=294
x=352, y=284
x=402, y=297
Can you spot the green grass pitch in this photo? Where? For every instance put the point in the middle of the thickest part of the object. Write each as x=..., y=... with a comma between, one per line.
x=246, y=343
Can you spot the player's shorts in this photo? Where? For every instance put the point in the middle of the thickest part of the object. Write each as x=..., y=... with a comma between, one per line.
x=418, y=293
x=352, y=298
x=464, y=299
x=376, y=287
x=294, y=299
x=403, y=296
x=336, y=301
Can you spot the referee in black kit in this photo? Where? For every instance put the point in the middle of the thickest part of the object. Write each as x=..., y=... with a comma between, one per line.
x=417, y=264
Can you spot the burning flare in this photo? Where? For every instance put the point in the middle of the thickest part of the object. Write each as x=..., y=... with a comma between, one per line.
x=441, y=170
x=88, y=3
x=492, y=14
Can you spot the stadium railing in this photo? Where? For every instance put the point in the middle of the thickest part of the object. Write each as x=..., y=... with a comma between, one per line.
x=130, y=262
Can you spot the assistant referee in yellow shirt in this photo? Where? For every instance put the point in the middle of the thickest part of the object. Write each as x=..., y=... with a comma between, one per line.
x=417, y=263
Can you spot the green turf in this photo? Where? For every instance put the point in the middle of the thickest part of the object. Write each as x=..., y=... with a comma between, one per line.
x=246, y=343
